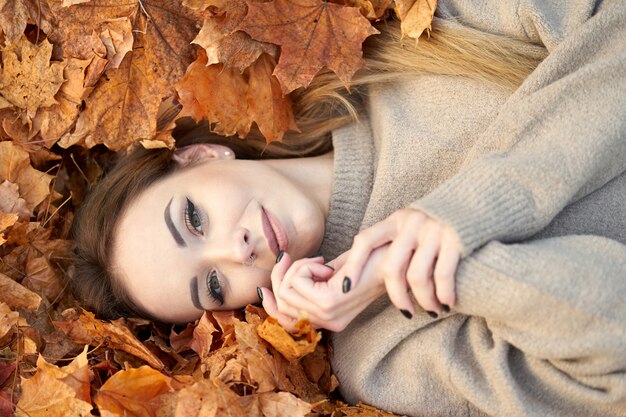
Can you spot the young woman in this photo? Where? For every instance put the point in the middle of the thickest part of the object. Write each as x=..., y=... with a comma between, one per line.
x=472, y=237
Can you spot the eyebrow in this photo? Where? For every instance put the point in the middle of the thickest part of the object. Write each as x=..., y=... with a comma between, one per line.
x=193, y=287
x=170, y=225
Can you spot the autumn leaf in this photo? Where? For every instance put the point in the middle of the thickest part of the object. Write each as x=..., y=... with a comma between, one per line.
x=87, y=329
x=45, y=396
x=415, y=16
x=312, y=34
x=292, y=347
x=8, y=319
x=223, y=42
x=6, y=220
x=11, y=202
x=29, y=80
x=211, y=398
x=372, y=9
x=34, y=186
x=277, y=404
x=123, y=106
x=15, y=14
x=134, y=392
x=16, y=296
x=75, y=374
x=232, y=101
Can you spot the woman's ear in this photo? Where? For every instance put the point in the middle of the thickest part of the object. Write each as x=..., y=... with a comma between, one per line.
x=201, y=152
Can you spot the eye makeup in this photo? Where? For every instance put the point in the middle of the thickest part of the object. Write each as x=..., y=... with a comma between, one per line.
x=215, y=288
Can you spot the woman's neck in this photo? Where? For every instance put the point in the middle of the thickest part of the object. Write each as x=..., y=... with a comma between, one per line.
x=314, y=175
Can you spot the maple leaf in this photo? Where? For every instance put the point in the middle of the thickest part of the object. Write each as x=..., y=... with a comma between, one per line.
x=211, y=398
x=372, y=9
x=224, y=43
x=6, y=220
x=34, y=186
x=292, y=347
x=16, y=295
x=123, y=106
x=11, y=202
x=14, y=15
x=87, y=329
x=415, y=15
x=312, y=34
x=134, y=392
x=45, y=396
x=75, y=374
x=29, y=80
x=8, y=319
x=232, y=101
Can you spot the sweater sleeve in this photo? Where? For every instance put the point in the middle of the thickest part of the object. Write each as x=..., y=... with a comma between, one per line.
x=560, y=136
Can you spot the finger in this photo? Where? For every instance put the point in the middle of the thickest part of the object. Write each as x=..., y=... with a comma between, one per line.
x=277, y=276
x=306, y=299
x=419, y=274
x=364, y=243
x=269, y=304
x=445, y=271
x=395, y=265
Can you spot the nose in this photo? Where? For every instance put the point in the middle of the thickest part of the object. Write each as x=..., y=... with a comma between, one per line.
x=235, y=247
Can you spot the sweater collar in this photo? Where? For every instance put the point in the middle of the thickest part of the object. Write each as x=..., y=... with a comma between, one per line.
x=352, y=186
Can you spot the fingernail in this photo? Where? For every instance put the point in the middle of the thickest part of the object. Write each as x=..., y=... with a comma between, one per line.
x=433, y=314
x=328, y=266
x=346, y=285
x=280, y=256
x=407, y=314
x=446, y=308
x=259, y=293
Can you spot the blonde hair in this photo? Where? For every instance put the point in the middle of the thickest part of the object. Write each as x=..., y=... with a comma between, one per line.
x=452, y=49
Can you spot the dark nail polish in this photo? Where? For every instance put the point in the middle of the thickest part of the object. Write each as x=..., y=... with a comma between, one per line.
x=259, y=293
x=446, y=308
x=433, y=314
x=280, y=256
x=407, y=314
x=346, y=285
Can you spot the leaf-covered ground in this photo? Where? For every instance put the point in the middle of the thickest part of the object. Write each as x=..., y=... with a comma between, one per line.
x=83, y=79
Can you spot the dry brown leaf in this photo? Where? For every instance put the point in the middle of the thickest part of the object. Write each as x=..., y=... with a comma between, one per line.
x=8, y=319
x=312, y=35
x=6, y=220
x=292, y=347
x=11, y=202
x=14, y=15
x=372, y=9
x=211, y=398
x=29, y=80
x=123, y=106
x=34, y=186
x=232, y=101
x=87, y=329
x=203, y=337
x=267, y=106
x=278, y=404
x=16, y=296
x=223, y=42
x=117, y=37
x=75, y=374
x=416, y=16
x=45, y=396
x=134, y=392
x=68, y=3
x=42, y=277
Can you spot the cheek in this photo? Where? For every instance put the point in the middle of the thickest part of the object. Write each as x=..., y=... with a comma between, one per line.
x=244, y=284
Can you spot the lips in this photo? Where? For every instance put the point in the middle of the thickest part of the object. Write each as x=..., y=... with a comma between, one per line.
x=274, y=232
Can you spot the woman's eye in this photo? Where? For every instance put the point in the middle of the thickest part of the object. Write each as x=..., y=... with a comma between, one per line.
x=214, y=287
x=192, y=219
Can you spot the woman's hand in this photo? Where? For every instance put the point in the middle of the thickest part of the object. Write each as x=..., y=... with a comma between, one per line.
x=423, y=256
x=306, y=289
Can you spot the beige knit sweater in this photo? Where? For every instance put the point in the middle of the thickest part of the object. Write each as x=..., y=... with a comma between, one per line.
x=534, y=184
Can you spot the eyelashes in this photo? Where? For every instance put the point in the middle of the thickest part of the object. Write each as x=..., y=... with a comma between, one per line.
x=193, y=220
x=214, y=287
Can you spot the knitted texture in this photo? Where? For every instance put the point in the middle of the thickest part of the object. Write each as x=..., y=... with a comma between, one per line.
x=533, y=182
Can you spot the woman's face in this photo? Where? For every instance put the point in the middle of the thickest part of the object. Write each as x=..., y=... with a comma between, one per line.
x=206, y=236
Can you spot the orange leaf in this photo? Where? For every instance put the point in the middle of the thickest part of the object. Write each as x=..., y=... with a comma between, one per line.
x=16, y=295
x=45, y=396
x=8, y=319
x=292, y=347
x=277, y=404
x=211, y=398
x=34, y=186
x=312, y=34
x=415, y=15
x=75, y=375
x=223, y=42
x=14, y=15
x=87, y=329
x=29, y=80
x=372, y=9
x=6, y=220
x=134, y=392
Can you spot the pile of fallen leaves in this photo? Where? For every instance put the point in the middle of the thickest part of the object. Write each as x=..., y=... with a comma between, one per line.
x=83, y=79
